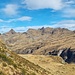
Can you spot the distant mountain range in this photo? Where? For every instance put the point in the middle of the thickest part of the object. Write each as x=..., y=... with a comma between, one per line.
x=44, y=41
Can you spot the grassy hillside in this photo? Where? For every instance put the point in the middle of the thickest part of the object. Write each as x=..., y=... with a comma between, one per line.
x=12, y=64
x=55, y=65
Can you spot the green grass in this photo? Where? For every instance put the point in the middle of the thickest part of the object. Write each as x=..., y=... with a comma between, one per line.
x=8, y=60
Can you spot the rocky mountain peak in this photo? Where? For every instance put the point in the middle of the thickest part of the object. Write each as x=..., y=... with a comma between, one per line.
x=12, y=31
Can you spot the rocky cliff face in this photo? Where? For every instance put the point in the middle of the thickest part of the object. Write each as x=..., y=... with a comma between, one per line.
x=67, y=54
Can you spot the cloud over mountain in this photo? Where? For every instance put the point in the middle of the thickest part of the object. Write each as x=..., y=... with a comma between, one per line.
x=52, y=4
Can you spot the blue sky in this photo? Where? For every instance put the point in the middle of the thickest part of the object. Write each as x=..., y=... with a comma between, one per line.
x=24, y=14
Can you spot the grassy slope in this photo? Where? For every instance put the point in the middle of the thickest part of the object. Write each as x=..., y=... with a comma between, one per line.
x=12, y=64
x=52, y=64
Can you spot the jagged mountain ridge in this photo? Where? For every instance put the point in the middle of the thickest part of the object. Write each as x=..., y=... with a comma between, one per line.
x=44, y=41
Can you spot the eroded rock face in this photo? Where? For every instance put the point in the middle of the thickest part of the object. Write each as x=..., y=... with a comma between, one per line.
x=67, y=54
x=54, y=52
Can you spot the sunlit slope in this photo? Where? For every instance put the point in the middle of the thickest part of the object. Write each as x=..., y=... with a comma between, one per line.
x=12, y=64
x=55, y=65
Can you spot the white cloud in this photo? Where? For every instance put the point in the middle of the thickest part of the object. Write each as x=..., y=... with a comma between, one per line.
x=66, y=7
x=1, y=20
x=70, y=2
x=20, y=29
x=69, y=12
x=4, y=28
x=42, y=4
x=70, y=24
x=11, y=9
x=23, y=18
